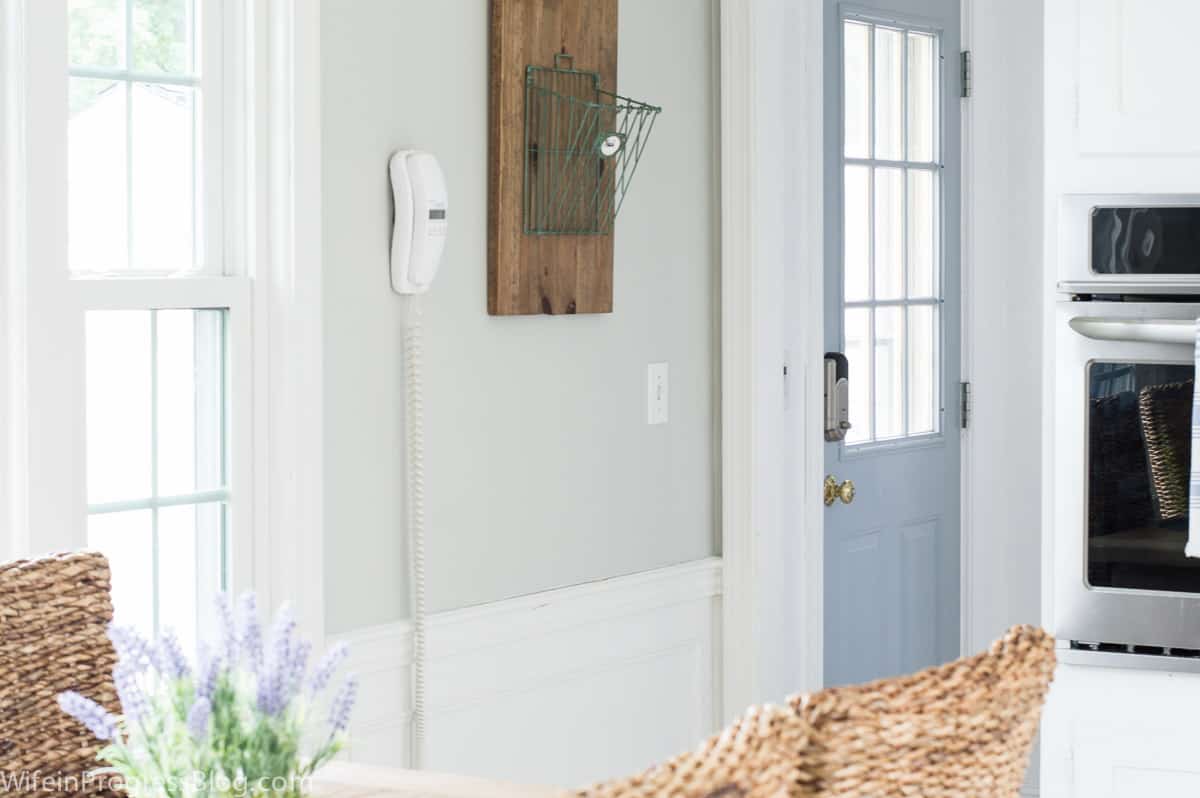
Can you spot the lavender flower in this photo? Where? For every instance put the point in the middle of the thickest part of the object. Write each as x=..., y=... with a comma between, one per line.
x=270, y=698
x=133, y=650
x=208, y=671
x=95, y=717
x=170, y=657
x=325, y=668
x=343, y=702
x=250, y=630
x=198, y=718
x=133, y=700
x=297, y=664
x=228, y=630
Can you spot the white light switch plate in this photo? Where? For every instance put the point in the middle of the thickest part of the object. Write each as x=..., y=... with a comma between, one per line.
x=658, y=393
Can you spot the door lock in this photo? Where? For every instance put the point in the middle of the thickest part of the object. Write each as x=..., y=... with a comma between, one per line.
x=834, y=491
x=837, y=396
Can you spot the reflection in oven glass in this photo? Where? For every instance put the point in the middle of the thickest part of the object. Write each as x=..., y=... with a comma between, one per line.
x=1139, y=461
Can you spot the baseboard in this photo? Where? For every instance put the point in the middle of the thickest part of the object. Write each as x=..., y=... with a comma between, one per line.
x=562, y=687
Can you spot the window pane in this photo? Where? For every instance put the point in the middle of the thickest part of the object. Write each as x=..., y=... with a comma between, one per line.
x=920, y=97
x=922, y=369
x=118, y=404
x=889, y=237
x=163, y=184
x=127, y=540
x=858, y=353
x=190, y=400
x=162, y=35
x=97, y=33
x=96, y=198
x=922, y=210
x=888, y=93
x=889, y=374
x=189, y=557
x=857, y=43
x=857, y=232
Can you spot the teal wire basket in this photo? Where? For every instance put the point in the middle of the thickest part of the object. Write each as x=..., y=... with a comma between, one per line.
x=582, y=147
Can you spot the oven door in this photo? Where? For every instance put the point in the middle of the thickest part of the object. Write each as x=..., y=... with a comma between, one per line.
x=1123, y=457
x=1129, y=244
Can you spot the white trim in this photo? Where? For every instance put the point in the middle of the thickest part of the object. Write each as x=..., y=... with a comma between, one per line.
x=966, y=609
x=579, y=661
x=772, y=316
x=287, y=258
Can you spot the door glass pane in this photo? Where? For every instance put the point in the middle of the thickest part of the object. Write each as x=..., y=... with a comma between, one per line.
x=163, y=182
x=162, y=36
x=127, y=540
x=889, y=233
x=857, y=239
x=889, y=93
x=889, y=373
x=920, y=96
x=858, y=353
x=922, y=369
x=857, y=94
x=1139, y=456
x=97, y=33
x=118, y=404
x=921, y=215
x=190, y=400
x=98, y=228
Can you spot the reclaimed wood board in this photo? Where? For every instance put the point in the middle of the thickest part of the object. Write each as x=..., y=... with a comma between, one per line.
x=548, y=274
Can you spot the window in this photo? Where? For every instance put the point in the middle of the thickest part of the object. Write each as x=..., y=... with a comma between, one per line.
x=891, y=260
x=164, y=389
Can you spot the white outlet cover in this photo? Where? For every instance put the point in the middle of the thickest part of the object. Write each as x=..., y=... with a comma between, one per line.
x=658, y=393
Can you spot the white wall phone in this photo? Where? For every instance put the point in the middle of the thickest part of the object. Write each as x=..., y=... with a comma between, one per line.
x=419, y=235
x=418, y=238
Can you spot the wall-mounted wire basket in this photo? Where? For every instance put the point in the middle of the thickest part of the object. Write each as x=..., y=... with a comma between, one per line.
x=582, y=147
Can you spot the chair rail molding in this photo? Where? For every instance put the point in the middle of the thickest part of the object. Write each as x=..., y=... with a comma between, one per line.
x=565, y=686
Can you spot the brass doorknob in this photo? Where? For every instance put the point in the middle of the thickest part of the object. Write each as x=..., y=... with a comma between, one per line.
x=833, y=490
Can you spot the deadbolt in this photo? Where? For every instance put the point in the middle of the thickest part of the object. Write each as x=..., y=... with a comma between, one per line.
x=834, y=491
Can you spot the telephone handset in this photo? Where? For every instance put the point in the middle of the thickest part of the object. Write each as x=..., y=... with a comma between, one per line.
x=419, y=233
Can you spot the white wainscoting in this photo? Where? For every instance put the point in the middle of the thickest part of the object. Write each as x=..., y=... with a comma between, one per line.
x=562, y=687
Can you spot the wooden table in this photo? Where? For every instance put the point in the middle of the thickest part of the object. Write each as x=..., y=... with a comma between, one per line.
x=340, y=780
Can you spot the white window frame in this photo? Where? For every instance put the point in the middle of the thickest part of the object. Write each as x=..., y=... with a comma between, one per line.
x=265, y=229
x=905, y=25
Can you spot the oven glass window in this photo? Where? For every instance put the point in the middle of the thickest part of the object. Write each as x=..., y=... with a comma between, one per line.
x=1146, y=241
x=1139, y=461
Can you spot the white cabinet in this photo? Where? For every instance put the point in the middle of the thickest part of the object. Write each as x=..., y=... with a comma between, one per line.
x=1110, y=733
x=1136, y=73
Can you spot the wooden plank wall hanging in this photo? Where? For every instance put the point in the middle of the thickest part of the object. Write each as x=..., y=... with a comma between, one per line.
x=533, y=274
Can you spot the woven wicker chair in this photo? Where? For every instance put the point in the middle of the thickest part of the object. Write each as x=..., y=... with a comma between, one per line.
x=961, y=730
x=53, y=618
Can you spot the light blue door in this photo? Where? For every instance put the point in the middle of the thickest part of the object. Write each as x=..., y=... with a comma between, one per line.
x=892, y=179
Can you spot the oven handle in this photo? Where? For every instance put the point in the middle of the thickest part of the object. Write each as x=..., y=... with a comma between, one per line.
x=1151, y=331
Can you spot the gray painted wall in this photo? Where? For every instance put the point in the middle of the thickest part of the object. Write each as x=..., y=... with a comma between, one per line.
x=542, y=470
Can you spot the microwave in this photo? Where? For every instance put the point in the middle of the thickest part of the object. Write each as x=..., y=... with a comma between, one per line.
x=1118, y=244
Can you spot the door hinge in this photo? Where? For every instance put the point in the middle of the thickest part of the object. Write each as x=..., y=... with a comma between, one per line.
x=964, y=59
x=964, y=403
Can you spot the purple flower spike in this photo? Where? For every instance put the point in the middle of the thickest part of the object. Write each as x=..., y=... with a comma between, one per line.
x=208, y=672
x=95, y=717
x=343, y=703
x=297, y=664
x=325, y=668
x=228, y=630
x=198, y=718
x=133, y=700
x=250, y=629
x=171, y=660
x=133, y=650
x=270, y=698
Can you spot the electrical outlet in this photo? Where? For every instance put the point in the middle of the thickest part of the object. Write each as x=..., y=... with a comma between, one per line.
x=658, y=393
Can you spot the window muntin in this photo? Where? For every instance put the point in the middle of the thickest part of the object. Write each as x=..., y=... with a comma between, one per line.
x=157, y=460
x=134, y=138
x=891, y=216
